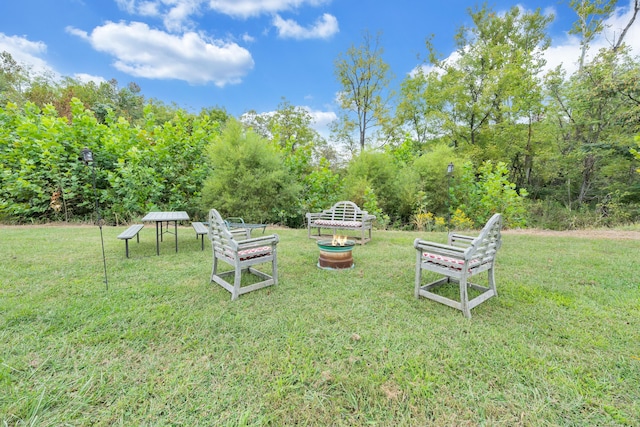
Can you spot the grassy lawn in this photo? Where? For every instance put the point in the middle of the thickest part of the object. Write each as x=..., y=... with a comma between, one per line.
x=560, y=345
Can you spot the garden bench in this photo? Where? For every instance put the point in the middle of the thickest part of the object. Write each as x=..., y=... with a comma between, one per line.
x=130, y=233
x=343, y=215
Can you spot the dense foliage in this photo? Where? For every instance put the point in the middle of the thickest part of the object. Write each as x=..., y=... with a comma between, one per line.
x=136, y=168
x=249, y=176
x=545, y=149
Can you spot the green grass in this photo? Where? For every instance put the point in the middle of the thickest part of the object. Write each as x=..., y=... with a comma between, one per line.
x=560, y=345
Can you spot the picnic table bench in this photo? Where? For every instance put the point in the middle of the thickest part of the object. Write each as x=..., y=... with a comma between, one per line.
x=200, y=230
x=130, y=233
x=343, y=215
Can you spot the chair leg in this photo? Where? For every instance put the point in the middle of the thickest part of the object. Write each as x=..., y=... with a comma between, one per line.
x=464, y=298
x=418, y=275
x=214, y=268
x=236, y=283
x=492, y=282
x=274, y=269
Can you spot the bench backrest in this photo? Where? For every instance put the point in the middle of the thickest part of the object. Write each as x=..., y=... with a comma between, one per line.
x=344, y=211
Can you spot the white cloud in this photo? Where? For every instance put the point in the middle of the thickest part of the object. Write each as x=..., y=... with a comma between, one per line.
x=149, y=8
x=565, y=53
x=176, y=14
x=324, y=27
x=321, y=119
x=86, y=78
x=27, y=52
x=177, y=18
x=248, y=38
x=145, y=52
x=78, y=32
x=249, y=8
x=127, y=5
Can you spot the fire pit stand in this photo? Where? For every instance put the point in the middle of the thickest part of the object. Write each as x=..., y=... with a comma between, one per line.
x=335, y=256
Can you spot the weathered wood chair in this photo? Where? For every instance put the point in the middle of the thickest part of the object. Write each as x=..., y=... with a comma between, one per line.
x=459, y=260
x=242, y=255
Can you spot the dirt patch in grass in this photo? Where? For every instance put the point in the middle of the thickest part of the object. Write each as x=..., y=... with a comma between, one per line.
x=588, y=234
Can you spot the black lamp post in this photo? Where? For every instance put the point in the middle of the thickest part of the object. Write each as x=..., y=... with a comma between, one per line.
x=87, y=158
x=449, y=175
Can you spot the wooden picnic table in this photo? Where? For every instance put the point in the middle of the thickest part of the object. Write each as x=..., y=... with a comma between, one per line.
x=165, y=217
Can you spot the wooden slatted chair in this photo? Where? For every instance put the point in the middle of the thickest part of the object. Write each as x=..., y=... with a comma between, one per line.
x=242, y=255
x=459, y=260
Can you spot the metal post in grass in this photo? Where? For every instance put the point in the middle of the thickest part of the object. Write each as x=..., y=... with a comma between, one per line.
x=449, y=176
x=87, y=158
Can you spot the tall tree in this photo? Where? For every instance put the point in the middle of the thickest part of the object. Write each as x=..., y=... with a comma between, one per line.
x=290, y=129
x=13, y=78
x=364, y=77
x=419, y=110
x=590, y=22
x=493, y=79
x=597, y=110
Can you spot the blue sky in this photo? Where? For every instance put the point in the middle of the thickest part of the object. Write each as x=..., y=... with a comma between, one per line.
x=246, y=54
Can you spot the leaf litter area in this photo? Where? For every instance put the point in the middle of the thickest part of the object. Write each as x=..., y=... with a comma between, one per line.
x=586, y=233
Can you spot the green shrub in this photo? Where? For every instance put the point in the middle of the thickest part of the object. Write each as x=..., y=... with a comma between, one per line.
x=378, y=172
x=432, y=179
x=249, y=179
x=490, y=193
x=322, y=188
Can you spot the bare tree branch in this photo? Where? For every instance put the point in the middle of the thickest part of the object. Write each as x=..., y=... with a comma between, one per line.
x=636, y=8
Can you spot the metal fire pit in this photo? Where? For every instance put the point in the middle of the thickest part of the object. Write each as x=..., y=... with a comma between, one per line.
x=335, y=256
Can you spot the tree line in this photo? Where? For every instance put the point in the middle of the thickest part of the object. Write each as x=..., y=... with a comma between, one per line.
x=485, y=131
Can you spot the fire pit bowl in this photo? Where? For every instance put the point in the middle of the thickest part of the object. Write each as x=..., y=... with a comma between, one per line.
x=335, y=256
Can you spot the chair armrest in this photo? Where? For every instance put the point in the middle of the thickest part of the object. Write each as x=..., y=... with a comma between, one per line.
x=440, y=249
x=271, y=239
x=368, y=218
x=243, y=233
x=456, y=239
x=313, y=215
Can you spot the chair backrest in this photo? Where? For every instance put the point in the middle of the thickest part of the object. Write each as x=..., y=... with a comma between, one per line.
x=221, y=238
x=485, y=246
